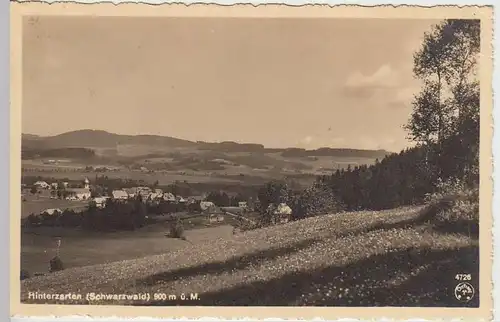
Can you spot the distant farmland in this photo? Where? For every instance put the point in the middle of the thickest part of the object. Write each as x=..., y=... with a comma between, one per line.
x=32, y=205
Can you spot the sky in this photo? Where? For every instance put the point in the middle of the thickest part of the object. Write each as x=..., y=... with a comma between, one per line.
x=282, y=82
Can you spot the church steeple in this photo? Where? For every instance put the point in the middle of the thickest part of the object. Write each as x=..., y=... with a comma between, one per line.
x=87, y=183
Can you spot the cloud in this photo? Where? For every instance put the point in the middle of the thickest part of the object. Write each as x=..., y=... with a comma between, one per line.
x=384, y=77
x=386, y=87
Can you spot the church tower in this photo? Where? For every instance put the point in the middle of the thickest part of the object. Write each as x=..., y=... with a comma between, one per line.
x=87, y=183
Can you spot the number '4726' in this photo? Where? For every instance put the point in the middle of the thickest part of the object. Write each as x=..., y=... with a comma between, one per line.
x=463, y=277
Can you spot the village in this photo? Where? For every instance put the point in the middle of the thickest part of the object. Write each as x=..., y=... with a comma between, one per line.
x=81, y=196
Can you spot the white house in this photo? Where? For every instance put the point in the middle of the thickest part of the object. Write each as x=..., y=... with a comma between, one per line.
x=100, y=201
x=131, y=192
x=215, y=214
x=167, y=196
x=119, y=194
x=282, y=213
x=78, y=194
x=212, y=218
x=284, y=209
x=52, y=211
x=154, y=196
x=243, y=204
x=54, y=185
x=204, y=205
x=144, y=192
x=41, y=184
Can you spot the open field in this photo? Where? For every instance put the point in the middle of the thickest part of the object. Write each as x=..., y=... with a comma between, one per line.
x=163, y=178
x=32, y=205
x=351, y=259
x=82, y=248
x=166, y=178
x=192, y=165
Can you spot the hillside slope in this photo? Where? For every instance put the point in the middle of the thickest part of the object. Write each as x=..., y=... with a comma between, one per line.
x=388, y=258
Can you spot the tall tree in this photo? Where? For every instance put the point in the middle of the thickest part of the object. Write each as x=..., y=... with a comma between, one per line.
x=273, y=192
x=447, y=66
x=446, y=112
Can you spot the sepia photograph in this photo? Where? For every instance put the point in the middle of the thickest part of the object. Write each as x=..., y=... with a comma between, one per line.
x=260, y=160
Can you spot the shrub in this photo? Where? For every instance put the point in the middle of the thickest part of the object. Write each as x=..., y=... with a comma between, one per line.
x=33, y=220
x=177, y=229
x=56, y=264
x=455, y=207
x=316, y=200
x=247, y=225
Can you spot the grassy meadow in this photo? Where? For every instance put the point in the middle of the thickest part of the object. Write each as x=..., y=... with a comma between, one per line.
x=366, y=258
x=83, y=248
x=34, y=204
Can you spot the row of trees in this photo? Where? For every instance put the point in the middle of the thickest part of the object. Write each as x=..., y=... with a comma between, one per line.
x=80, y=153
x=116, y=215
x=128, y=215
x=223, y=199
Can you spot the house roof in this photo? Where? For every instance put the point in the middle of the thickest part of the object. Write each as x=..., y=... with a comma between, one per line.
x=130, y=191
x=169, y=196
x=135, y=190
x=119, y=193
x=206, y=205
x=154, y=195
x=51, y=211
x=281, y=209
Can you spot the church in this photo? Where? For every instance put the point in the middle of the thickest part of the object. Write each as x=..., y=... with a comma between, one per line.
x=79, y=193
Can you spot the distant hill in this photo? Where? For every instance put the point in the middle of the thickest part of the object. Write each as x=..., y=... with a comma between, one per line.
x=334, y=152
x=30, y=136
x=98, y=138
x=102, y=139
x=228, y=146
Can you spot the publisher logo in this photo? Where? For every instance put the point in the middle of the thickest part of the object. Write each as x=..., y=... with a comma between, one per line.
x=464, y=292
